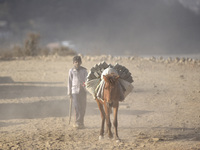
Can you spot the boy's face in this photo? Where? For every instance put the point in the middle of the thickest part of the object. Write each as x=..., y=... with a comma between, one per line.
x=77, y=64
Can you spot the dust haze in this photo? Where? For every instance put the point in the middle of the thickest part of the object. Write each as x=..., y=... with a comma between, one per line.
x=130, y=27
x=162, y=111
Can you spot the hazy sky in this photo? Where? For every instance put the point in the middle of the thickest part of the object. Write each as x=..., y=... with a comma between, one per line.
x=142, y=27
x=116, y=27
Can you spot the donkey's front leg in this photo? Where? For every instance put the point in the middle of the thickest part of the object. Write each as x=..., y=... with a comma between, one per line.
x=115, y=122
x=102, y=123
x=107, y=111
x=103, y=119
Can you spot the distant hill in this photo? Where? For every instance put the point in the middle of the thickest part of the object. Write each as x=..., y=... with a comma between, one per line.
x=108, y=26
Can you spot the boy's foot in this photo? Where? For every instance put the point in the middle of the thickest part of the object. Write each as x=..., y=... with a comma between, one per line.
x=81, y=126
x=77, y=126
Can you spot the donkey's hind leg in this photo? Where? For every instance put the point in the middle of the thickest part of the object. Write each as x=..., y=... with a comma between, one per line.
x=115, y=122
x=103, y=119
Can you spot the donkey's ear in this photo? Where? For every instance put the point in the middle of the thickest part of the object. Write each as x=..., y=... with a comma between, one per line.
x=105, y=78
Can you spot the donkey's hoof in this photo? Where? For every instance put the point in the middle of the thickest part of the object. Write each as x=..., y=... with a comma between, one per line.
x=110, y=136
x=117, y=140
x=101, y=137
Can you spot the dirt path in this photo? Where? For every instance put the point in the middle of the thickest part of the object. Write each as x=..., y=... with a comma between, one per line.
x=162, y=112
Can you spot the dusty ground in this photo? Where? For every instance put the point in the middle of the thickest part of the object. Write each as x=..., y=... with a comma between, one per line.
x=162, y=112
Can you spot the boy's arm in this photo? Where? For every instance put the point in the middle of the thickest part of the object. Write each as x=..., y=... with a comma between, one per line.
x=85, y=76
x=70, y=83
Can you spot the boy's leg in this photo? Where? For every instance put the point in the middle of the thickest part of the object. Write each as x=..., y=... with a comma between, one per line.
x=82, y=97
x=77, y=107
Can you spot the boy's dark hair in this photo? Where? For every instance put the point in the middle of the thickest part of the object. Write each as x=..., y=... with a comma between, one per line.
x=77, y=58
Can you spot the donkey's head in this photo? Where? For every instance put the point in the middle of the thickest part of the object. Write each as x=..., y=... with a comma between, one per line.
x=111, y=88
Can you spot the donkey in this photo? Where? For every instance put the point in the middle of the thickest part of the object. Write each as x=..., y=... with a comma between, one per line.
x=110, y=100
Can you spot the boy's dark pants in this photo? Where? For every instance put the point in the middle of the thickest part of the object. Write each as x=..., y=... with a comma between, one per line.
x=79, y=101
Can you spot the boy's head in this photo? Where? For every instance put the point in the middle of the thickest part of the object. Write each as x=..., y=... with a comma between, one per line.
x=77, y=61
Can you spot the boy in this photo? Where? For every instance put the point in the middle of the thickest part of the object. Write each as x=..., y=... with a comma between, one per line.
x=77, y=91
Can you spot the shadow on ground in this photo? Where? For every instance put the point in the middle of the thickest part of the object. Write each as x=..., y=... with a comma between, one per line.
x=177, y=134
x=40, y=109
x=10, y=89
x=6, y=124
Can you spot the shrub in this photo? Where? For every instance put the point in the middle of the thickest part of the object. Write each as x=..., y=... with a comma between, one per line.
x=44, y=52
x=31, y=48
x=31, y=44
x=18, y=51
x=64, y=51
x=6, y=55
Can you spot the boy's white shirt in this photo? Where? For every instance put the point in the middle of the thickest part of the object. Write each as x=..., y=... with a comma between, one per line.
x=76, y=79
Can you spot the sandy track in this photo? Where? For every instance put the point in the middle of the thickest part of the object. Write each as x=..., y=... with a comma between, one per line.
x=162, y=112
